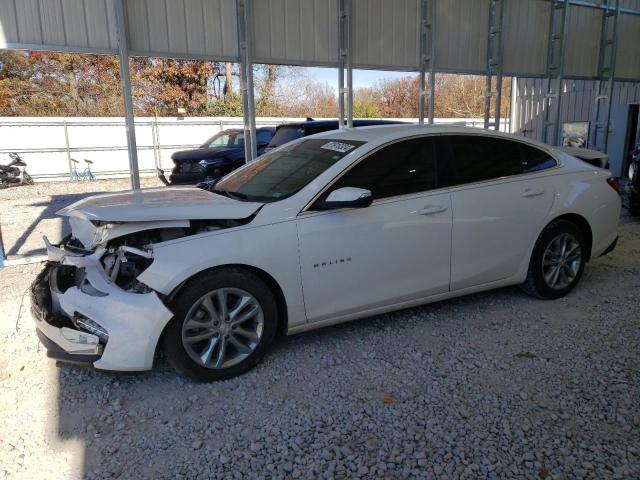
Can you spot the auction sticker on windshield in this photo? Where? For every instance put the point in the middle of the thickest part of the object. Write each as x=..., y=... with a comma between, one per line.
x=338, y=147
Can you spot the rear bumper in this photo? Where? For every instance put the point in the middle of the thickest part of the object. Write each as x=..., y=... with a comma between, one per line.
x=611, y=247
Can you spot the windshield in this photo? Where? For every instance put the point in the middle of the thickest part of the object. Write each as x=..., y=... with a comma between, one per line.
x=225, y=139
x=284, y=172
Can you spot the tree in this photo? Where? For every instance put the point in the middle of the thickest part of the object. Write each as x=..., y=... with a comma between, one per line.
x=398, y=98
x=168, y=84
x=228, y=81
x=44, y=84
x=225, y=107
x=366, y=103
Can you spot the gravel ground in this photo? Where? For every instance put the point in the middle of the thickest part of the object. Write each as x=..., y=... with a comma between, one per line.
x=28, y=212
x=494, y=385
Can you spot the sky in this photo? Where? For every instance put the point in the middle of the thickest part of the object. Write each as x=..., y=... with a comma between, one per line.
x=361, y=78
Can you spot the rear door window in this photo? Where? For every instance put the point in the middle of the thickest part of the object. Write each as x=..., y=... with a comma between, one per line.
x=474, y=158
x=467, y=159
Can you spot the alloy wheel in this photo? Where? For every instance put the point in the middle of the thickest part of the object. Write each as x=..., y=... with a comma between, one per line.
x=223, y=328
x=561, y=261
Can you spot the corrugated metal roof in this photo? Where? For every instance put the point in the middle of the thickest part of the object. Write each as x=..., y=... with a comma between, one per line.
x=185, y=28
x=628, y=54
x=526, y=25
x=305, y=32
x=461, y=31
x=582, y=41
x=386, y=33
x=68, y=24
x=295, y=31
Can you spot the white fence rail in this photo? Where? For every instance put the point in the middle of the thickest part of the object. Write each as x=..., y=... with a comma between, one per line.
x=48, y=143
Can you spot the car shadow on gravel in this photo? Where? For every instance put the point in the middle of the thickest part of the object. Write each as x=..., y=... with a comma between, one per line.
x=106, y=413
x=56, y=202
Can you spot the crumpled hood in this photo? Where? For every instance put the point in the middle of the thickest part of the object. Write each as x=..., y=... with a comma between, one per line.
x=203, y=153
x=174, y=203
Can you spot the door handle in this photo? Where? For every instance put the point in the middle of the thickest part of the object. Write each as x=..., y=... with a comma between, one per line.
x=532, y=192
x=432, y=210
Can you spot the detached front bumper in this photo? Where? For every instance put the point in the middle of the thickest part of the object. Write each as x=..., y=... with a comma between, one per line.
x=83, y=317
x=56, y=332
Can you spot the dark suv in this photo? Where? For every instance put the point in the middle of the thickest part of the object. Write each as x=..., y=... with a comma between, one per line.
x=291, y=131
x=216, y=157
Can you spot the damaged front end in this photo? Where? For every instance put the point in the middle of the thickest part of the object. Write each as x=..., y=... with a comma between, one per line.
x=90, y=309
x=88, y=303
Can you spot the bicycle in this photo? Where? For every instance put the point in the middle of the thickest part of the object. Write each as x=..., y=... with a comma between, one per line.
x=85, y=175
x=88, y=174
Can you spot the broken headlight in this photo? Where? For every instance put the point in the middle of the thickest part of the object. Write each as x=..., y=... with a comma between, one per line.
x=90, y=326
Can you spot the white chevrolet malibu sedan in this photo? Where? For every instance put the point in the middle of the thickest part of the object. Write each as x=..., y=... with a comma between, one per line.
x=326, y=229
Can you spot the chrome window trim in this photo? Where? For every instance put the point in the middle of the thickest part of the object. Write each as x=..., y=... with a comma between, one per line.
x=462, y=186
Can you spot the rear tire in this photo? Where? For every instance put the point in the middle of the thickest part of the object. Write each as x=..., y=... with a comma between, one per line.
x=557, y=261
x=209, y=337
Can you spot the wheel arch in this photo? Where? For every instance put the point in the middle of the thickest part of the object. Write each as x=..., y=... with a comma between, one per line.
x=272, y=284
x=584, y=226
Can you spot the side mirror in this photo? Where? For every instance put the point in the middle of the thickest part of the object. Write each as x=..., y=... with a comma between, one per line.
x=348, y=197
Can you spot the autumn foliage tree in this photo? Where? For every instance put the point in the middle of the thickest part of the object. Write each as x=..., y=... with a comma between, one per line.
x=45, y=84
x=63, y=84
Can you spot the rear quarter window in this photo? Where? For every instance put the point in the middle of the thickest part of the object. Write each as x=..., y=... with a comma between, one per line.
x=534, y=159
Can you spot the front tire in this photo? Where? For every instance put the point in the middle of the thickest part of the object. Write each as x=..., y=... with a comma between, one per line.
x=557, y=262
x=224, y=321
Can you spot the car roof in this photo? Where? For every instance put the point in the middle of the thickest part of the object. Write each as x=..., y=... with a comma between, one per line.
x=392, y=132
x=240, y=130
x=334, y=123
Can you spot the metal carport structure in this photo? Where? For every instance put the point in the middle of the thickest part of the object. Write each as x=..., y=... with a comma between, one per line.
x=552, y=39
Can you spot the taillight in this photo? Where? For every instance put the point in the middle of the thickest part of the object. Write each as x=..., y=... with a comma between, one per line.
x=614, y=183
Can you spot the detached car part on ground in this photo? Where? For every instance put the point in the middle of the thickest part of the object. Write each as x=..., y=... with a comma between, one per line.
x=325, y=229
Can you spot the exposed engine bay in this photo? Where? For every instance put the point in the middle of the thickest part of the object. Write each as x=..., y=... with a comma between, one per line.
x=128, y=246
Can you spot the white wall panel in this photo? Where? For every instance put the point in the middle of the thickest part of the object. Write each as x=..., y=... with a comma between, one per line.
x=386, y=33
x=526, y=26
x=461, y=28
x=298, y=32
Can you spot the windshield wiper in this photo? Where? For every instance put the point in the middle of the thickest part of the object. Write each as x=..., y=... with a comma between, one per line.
x=234, y=195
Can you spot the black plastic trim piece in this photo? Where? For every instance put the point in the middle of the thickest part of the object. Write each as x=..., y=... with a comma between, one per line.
x=56, y=352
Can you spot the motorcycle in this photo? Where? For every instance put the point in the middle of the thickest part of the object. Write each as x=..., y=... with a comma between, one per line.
x=633, y=186
x=14, y=173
